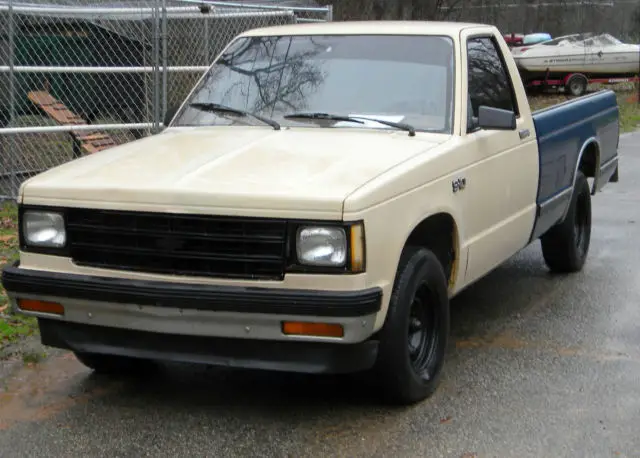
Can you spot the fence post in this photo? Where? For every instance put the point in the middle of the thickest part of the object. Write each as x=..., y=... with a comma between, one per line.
x=205, y=38
x=13, y=160
x=163, y=113
x=156, y=66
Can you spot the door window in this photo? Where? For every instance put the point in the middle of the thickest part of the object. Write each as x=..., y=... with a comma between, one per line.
x=489, y=82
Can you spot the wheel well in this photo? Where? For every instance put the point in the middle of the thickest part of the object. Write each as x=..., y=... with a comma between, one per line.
x=438, y=233
x=589, y=160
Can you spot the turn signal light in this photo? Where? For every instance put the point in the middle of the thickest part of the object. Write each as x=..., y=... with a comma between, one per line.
x=32, y=305
x=312, y=329
x=357, y=248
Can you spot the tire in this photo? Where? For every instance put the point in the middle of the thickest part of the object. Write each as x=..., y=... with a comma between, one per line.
x=577, y=85
x=409, y=367
x=565, y=246
x=115, y=364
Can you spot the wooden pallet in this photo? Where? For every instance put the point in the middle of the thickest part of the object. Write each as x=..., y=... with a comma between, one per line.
x=89, y=141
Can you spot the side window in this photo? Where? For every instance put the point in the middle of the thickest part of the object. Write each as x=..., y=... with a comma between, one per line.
x=489, y=82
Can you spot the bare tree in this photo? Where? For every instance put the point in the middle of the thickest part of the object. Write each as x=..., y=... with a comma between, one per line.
x=557, y=17
x=274, y=82
x=434, y=9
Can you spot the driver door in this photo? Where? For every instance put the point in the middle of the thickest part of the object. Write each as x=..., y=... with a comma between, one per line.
x=503, y=164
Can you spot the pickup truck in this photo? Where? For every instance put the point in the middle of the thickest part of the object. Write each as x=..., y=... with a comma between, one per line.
x=313, y=206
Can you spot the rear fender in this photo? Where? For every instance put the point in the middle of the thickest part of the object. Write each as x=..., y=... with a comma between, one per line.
x=590, y=144
x=607, y=169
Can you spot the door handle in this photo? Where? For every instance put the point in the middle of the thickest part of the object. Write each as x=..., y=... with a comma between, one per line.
x=524, y=133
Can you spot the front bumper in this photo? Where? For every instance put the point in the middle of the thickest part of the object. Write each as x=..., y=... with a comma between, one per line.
x=222, y=325
x=307, y=357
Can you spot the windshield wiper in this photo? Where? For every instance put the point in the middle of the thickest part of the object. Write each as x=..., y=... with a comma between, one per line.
x=216, y=107
x=333, y=117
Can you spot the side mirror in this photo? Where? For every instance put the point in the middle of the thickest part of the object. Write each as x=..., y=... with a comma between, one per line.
x=496, y=118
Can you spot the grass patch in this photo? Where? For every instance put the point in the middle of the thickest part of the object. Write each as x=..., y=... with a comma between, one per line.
x=8, y=233
x=12, y=326
x=629, y=116
x=33, y=357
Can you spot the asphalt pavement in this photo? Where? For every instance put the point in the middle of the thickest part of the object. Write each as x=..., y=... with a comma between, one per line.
x=539, y=365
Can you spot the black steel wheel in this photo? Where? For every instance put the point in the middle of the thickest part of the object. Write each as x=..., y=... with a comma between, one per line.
x=565, y=246
x=414, y=337
x=422, y=336
x=582, y=224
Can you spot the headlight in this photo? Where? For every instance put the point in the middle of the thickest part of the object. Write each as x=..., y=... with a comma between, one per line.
x=322, y=246
x=43, y=229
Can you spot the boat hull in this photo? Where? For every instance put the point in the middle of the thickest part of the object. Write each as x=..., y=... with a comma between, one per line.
x=623, y=64
x=558, y=74
x=621, y=61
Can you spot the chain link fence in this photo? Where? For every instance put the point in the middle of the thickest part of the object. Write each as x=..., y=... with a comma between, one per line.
x=620, y=18
x=80, y=76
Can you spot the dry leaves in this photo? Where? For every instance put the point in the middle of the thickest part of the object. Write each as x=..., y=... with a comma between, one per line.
x=7, y=223
x=8, y=241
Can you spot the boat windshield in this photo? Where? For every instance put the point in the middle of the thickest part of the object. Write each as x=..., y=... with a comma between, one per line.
x=575, y=39
x=402, y=79
x=606, y=40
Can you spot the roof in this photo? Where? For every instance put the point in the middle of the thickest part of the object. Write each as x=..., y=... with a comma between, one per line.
x=367, y=28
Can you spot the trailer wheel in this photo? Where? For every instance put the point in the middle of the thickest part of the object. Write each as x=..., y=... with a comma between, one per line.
x=577, y=84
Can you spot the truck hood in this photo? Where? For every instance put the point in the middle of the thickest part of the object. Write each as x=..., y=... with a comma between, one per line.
x=253, y=170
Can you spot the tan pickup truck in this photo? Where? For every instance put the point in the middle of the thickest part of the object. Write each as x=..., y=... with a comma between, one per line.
x=316, y=201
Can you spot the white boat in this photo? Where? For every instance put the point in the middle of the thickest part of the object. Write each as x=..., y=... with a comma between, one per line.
x=595, y=56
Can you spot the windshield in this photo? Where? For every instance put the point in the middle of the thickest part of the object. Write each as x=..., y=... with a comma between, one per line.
x=406, y=79
x=606, y=40
x=576, y=39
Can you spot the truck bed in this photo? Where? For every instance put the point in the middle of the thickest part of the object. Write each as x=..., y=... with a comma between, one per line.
x=583, y=128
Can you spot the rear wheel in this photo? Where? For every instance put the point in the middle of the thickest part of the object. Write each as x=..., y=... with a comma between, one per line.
x=414, y=337
x=566, y=245
x=115, y=364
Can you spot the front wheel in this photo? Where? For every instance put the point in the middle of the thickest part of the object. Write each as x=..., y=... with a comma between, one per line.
x=566, y=245
x=414, y=337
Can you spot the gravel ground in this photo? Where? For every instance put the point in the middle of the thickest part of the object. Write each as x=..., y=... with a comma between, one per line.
x=539, y=365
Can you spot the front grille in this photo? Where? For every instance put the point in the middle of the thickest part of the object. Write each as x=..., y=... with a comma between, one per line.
x=211, y=246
